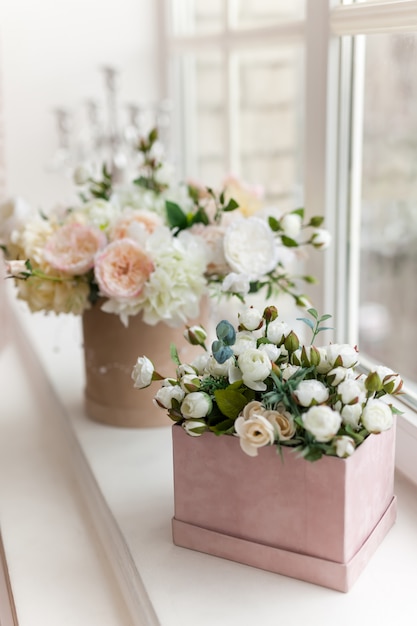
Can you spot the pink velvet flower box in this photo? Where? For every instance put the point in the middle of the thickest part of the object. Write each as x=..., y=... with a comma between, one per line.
x=319, y=522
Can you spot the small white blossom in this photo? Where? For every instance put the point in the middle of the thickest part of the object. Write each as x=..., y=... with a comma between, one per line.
x=166, y=394
x=196, y=405
x=311, y=391
x=250, y=318
x=345, y=446
x=142, y=372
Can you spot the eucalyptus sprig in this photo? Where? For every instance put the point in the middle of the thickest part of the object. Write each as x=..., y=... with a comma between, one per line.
x=315, y=326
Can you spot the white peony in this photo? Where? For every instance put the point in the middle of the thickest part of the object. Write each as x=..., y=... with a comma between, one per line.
x=167, y=393
x=351, y=414
x=236, y=283
x=311, y=392
x=345, y=446
x=255, y=366
x=291, y=225
x=377, y=416
x=271, y=350
x=244, y=340
x=250, y=247
x=322, y=422
x=196, y=404
x=250, y=318
x=350, y=391
x=277, y=331
x=343, y=355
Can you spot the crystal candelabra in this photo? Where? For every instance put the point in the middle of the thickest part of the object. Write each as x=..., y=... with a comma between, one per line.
x=109, y=133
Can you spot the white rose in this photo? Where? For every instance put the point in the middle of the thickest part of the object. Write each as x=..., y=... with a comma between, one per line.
x=14, y=214
x=255, y=366
x=321, y=238
x=337, y=375
x=389, y=379
x=277, y=331
x=271, y=350
x=82, y=174
x=200, y=362
x=291, y=224
x=17, y=269
x=219, y=369
x=324, y=366
x=236, y=283
x=251, y=318
x=195, y=428
x=350, y=391
x=309, y=391
x=196, y=404
x=341, y=355
x=190, y=382
x=184, y=369
x=345, y=446
x=166, y=394
x=142, y=372
x=250, y=247
x=322, y=422
x=254, y=433
x=244, y=340
x=351, y=414
x=288, y=370
x=377, y=416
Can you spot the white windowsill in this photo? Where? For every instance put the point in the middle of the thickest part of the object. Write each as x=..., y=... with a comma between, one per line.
x=129, y=505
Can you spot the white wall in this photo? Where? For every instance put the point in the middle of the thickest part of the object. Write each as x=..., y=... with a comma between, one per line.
x=51, y=52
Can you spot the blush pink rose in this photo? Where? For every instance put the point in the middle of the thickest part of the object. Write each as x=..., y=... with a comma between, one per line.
x=72, y=248
x=145, y=219
x=122, y=269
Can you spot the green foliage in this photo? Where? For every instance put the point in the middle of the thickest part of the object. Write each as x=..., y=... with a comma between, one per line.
x=316, y=326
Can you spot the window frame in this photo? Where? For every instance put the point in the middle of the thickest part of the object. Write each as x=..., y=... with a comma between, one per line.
x=334, y=37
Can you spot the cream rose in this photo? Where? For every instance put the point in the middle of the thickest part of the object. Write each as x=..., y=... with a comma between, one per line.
x=254, y=432
x=136, y=225
x=122, y=269
x=322, y=422
x=72, y=248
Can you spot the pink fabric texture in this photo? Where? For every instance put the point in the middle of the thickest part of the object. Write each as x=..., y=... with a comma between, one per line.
x=287, y=515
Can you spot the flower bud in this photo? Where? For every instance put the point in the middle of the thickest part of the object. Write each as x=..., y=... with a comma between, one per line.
x=291, y=342
x=195, y=335
x=373, y=382
x=270, y=314
x=195, y=428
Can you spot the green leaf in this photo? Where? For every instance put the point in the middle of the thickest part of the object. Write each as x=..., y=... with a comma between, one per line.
x=299, y=212
x=174, y=354
x=289, y=242
x=231, y=205
x=230, y=402
x=153, y=135
x=316, y=221
x=313, y=313
x=200, y=217
x=306, y=321
x=175, y=215
x=327, y=316
x=274, y=224
x=223, y=427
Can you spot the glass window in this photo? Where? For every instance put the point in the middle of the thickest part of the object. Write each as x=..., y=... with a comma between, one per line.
x=388, y=298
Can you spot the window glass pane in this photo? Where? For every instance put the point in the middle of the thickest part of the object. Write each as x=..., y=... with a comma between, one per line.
x=197, y=17
x=270, y=122
x=388, y=294
x=253, y=13
x=199, y=118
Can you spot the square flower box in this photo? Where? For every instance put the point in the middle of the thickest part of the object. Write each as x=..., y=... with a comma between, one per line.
x=319, y=522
